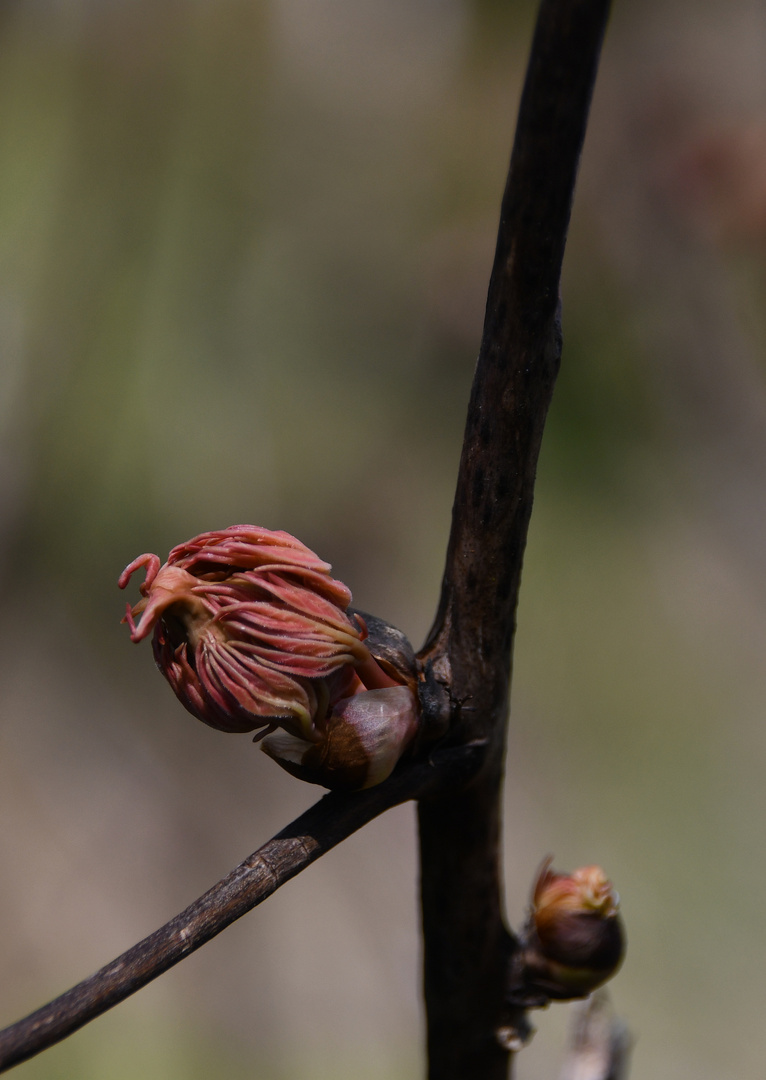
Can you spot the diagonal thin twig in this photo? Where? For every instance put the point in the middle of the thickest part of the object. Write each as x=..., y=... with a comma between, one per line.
x=327, y=823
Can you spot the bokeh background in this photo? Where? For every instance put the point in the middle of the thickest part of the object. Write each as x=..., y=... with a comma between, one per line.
x=244, y=247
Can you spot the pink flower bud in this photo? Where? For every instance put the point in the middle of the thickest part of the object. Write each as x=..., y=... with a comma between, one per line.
x=574, y=940
x=252, y=632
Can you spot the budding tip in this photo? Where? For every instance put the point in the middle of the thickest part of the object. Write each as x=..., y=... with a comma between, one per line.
x=586, y=890
x=574, y=940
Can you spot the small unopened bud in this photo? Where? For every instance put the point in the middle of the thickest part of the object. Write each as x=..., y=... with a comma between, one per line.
x=574, y=940
x=362, y=741
x=252, y=632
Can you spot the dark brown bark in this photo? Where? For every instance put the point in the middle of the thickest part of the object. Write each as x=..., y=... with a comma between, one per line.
x=467, y=946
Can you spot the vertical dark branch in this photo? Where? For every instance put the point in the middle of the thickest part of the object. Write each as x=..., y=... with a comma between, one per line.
x=469, y=648
x=518, y=360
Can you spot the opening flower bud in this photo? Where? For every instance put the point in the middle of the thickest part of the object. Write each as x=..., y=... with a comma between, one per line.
x=253, y=633
x=574, y=940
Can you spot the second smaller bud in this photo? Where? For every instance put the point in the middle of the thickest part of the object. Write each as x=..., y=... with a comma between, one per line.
x=574, y=940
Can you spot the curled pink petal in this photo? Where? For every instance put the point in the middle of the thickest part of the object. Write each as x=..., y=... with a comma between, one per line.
x=152, y=564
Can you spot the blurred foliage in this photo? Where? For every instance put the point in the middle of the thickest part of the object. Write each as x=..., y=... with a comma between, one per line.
x=244, y=249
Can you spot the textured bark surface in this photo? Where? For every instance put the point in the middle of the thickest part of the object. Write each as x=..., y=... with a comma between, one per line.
x=467, y=946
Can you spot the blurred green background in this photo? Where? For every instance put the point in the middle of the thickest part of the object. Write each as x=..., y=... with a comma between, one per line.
x=244, y=248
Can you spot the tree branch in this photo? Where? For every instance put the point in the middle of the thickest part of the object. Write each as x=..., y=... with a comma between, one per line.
x=327, y=823
x=467, y=659
x=468, y=652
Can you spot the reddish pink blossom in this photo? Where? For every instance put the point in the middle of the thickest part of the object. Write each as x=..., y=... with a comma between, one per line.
x=251, y=631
